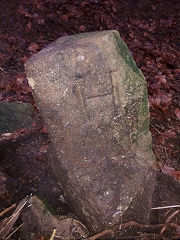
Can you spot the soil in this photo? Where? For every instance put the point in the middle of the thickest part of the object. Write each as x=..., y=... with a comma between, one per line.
x=150, y=29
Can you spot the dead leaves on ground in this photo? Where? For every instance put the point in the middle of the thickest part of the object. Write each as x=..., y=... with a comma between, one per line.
x=169, y=171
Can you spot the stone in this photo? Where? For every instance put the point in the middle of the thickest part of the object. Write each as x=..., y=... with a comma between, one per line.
x=39, y=221
x=15, y=115
x=93, y=99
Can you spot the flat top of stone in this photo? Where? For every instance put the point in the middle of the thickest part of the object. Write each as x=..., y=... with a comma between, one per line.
x=88, y=38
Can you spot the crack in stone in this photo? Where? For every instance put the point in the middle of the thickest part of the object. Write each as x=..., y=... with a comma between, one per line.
x=102, y=95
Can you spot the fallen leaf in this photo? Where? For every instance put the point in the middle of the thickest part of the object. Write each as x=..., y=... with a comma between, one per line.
x=29, y=25
x=82, y=28
x=65, y=18
x=160, y=140
x=160, y=78
x=177, y=113
x=166, y=100
x=44, y=130
x=167, y=170
x=169, y=133
x=33, y=47
x=23, y=180
x=44, y=149
x=160, y=99
x=40, y=158
x=176, y=175
x=24, y=59
x=26, y=89
x=35, y=15
x=41, y=21
x=1, y=55
x=20, y=80
x=6, y=134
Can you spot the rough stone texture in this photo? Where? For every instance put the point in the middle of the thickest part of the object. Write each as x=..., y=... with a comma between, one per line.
x=38, y=220
x=15, y=115
x=94, y=102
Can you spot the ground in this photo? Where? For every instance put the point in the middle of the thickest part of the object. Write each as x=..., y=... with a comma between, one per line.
x=150, y=29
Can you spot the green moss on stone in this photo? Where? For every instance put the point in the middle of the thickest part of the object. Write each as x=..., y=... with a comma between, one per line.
x=125, y=54
x=48, y=207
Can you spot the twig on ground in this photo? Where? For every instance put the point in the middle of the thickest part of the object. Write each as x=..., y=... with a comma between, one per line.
x=168, y=220
x=155, y=128
x=101, y=234
x=132, y=223
x=164, y=207
x=53, y=234
x=146, y=236
x=7, y=209
x=15, y=230
x=7, y=224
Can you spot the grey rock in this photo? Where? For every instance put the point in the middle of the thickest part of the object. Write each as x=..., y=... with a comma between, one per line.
x=38, y=220
x=93, y=99
x=15, y=115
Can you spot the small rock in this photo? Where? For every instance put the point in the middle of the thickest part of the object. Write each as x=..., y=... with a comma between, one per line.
x=15, y=115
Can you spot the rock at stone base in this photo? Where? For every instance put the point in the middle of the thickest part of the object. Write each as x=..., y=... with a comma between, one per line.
x=39, y=221
x=94, y=102
x=15, y=115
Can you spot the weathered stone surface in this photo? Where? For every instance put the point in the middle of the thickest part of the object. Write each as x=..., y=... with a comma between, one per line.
x=94, y=101
x=15, y=115
x=39, y=221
